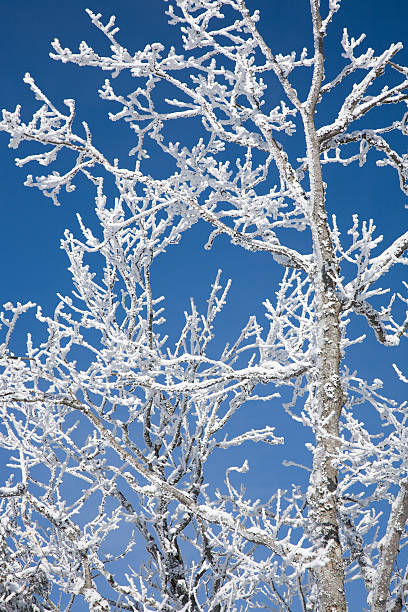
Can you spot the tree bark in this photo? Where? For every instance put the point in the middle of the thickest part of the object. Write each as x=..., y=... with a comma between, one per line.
x=326, y=396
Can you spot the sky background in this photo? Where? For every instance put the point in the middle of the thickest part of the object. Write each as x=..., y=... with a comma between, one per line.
x=32, y=267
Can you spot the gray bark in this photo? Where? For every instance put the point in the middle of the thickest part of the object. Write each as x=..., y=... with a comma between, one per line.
x=328, y=396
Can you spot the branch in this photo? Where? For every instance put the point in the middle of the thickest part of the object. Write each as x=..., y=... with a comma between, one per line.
x=362, y=307
x=401, y=594
x=350, y=111
x=284, y=255
x=373, y=140
x=257, y=373
x=16, y=491
x=381, y=264
x=318, y=64
x=292, y=553
x=287, y=87
x=389, y=550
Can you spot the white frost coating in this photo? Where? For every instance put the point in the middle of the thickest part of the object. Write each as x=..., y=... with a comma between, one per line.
x=400, y=374
x=107, y=403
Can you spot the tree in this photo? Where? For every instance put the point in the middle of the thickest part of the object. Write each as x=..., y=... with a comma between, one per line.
x=108, y=426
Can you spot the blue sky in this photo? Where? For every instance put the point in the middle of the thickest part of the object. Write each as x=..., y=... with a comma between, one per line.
x=32, y=267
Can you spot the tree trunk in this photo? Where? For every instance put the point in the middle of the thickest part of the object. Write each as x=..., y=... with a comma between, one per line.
x=326, y=396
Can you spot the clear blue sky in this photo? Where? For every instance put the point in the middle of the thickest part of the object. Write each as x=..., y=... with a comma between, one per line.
x=31, y=265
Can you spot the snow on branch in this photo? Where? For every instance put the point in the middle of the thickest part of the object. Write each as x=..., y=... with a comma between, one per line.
x=111, y=431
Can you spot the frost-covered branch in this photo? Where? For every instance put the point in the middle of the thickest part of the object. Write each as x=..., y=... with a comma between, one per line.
x=110, y=430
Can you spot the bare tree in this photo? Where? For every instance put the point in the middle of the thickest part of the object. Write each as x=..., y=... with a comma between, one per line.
x=153, y=413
